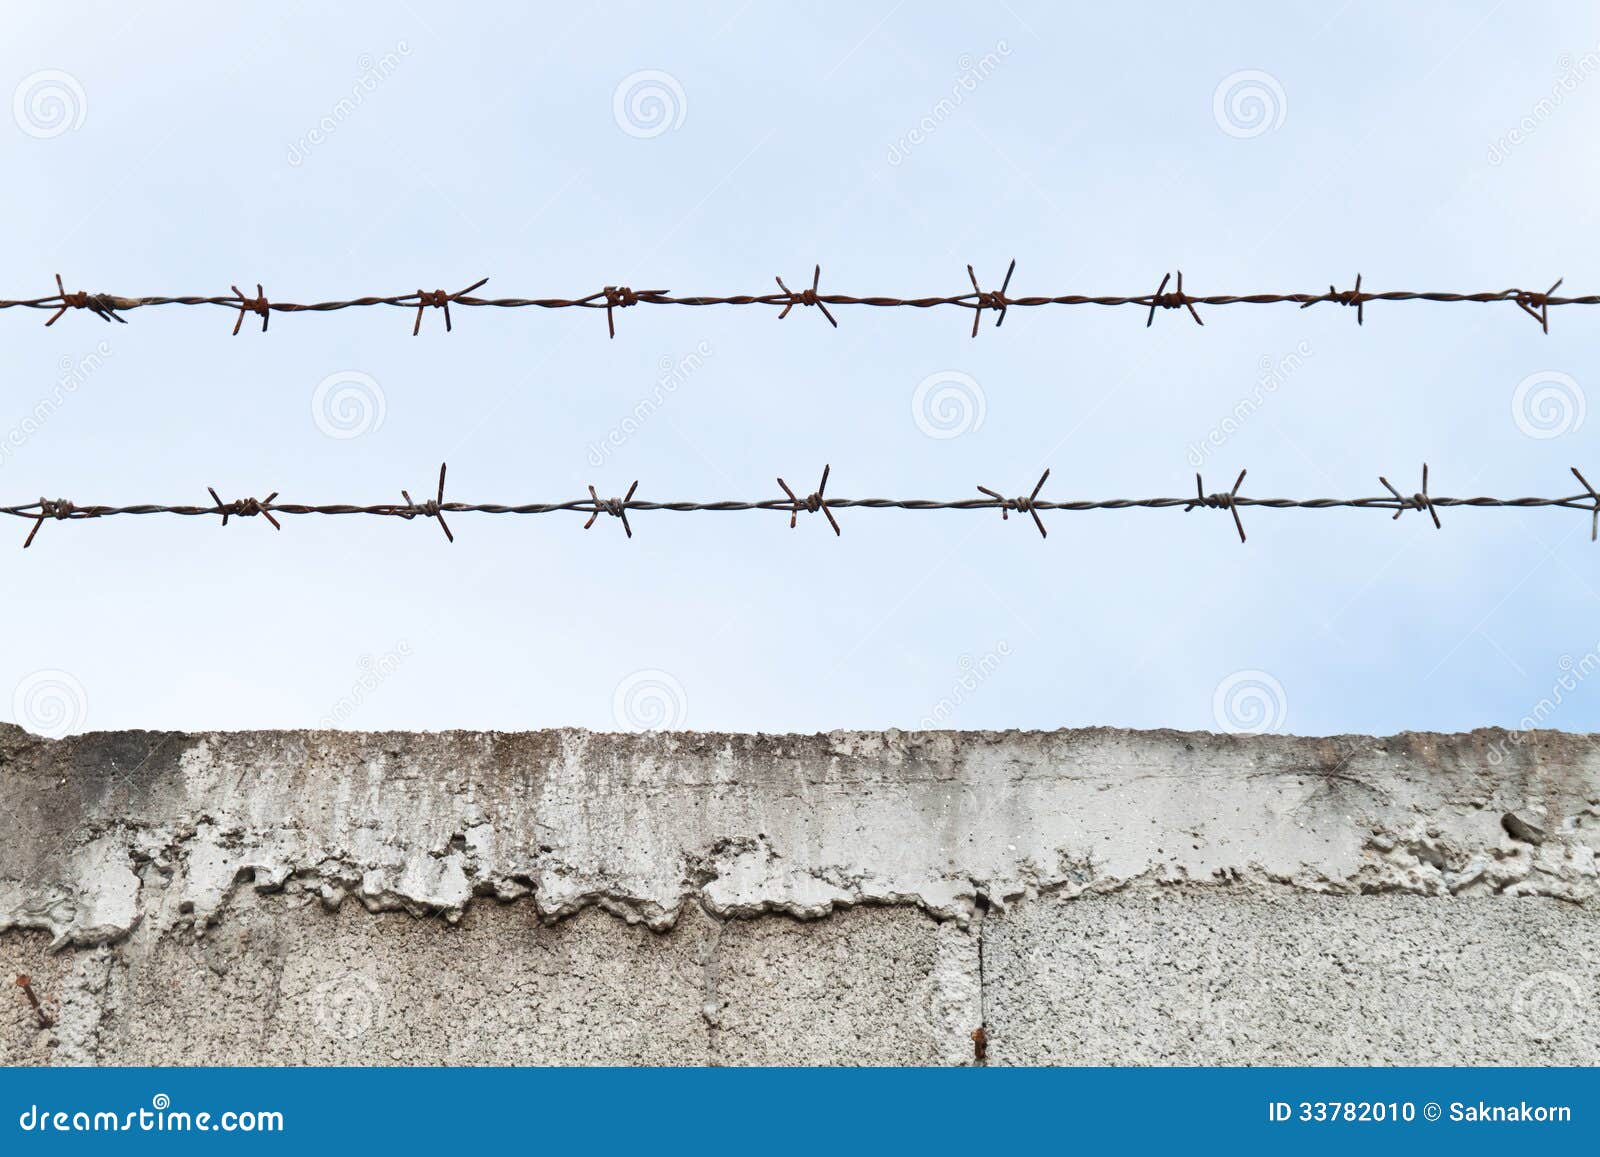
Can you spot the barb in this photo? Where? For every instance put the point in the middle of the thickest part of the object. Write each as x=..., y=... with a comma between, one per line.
x=270, y=508
x=109, y=307
x=812, y=502
x=101, y=305
x=995, y=301
x=1594, y=526
x=432, y=508
x=616, y=507
x=620, y=297
x=60, y=508
x=1537, y=305
x=1228, y=501
x=806, y=297
x=438, y=299
x=1418, y=501
x=257, y=304
x=243, y=508
x=1358, y=299
x=1021, y=505
x=1178, y=299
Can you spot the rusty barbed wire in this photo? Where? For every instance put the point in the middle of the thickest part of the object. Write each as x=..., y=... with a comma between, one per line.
x=792, y=504
x=610, y=298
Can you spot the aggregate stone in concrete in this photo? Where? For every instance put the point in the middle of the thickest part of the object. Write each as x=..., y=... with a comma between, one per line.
x=1234, y=976
x=71, y=986
x=699, y=898
x=282, y=981
x=871, y=986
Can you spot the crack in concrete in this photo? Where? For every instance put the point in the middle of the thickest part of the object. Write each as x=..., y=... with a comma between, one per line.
x=710, y=953
x=980, y=1035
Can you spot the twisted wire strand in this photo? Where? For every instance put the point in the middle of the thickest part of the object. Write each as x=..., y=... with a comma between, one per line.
x=437, y=507
x=111, y=307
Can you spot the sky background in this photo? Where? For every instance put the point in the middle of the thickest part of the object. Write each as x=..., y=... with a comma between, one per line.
x=181, y=151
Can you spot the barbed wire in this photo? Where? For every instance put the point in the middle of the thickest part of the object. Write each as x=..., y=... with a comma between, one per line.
x=436, y=507
x=110, y=307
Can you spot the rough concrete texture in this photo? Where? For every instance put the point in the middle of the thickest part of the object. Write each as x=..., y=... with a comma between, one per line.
x=1293, y=978
x=568, y=897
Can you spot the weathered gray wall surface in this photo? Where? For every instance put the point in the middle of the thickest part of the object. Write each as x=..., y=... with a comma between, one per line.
x=565, y=897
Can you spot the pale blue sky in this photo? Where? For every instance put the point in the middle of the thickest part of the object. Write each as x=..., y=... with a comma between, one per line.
x=1090, y=149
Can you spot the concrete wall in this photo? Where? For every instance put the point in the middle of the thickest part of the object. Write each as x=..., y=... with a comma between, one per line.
x=565, y=897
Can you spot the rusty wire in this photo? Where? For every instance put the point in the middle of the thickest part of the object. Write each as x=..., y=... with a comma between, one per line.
x=111, y=307
x=793, y=504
